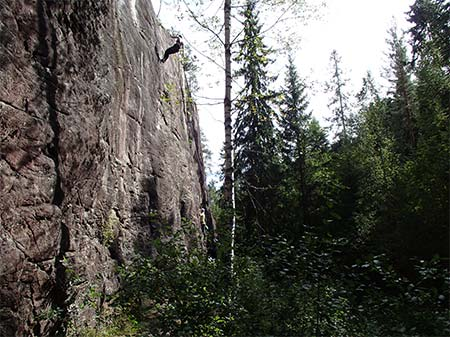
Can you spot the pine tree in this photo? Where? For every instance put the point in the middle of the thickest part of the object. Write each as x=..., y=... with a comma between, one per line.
x=255, y=142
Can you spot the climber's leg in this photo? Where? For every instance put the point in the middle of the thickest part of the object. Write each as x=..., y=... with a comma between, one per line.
x=170, y=51
x=166, y=55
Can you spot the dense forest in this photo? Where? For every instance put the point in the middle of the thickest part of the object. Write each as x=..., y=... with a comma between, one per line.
x=341, y=232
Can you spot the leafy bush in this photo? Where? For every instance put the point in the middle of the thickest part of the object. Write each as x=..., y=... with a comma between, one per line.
x=176, y=293
x=281, y=288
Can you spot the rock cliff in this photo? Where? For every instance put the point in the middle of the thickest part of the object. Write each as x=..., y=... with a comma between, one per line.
x=99, y=149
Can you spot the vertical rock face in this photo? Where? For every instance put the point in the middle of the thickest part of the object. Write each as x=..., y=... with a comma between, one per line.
x=99, y=146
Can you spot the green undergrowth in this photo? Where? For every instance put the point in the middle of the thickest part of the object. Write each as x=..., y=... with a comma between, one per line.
x=279, y=288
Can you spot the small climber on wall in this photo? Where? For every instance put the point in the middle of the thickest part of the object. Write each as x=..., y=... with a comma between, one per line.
x=174, y=49
x=203, y=221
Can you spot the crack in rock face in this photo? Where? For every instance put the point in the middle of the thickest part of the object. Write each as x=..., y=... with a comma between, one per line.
x=93, y=162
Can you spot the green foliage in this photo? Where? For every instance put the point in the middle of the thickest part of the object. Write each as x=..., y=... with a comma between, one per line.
x=256, y=159
x=293, y=123
x=176, y=293
x=168, y=93
x=341, y=239
x=401, y=118
x=113, y=322
x=400, y=305
x=339, y=101
x=103, y=318
x=282, y=288
x=50, y=314
x=376, y=158
x=189, y=62
x=206, y=153
x=110, y=228
x=403, y=149
x=430, y=31
x=72, y=276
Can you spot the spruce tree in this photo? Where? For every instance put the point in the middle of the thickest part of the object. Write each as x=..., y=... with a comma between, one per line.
x=323, y=185
x=430, y=31
x=343, y=161
x=294, y=116
x=425, y=222
x=339, y=102
x=255, y=142
x=293, y=122
x=401, y=95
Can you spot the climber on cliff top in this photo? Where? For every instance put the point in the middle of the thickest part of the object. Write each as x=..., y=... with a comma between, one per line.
x=174, y=49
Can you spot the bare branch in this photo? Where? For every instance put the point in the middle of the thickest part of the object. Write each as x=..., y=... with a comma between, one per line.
x=210, y=59
x=202, y=24
x=159, y=10
x=204, y=55
x=235, y=38
x=203, y=104
x=210, y=98
x=277, y=21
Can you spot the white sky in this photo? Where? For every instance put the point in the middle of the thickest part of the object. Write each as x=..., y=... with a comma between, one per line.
x=357, y=29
